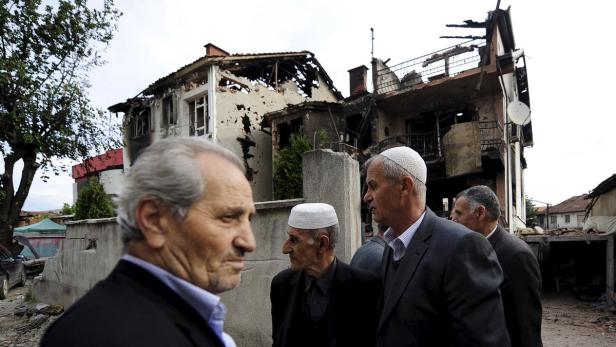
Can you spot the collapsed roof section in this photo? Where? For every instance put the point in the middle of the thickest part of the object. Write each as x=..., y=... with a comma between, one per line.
x=267, y=69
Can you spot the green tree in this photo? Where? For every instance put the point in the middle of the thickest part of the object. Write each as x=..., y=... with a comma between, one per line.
x=93, y=202
x=67, y=209
x=46, y=53
x=531, y=209
x=288, y=168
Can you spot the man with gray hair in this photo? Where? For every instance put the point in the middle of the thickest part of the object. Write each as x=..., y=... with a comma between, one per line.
x=440, y=284
x=321, y=301
x=478, y=209
x=185, y=215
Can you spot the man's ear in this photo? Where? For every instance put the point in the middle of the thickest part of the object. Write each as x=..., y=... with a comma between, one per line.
x=481, y=212
x=407, y=185
x=153, y=219
x=323, y=242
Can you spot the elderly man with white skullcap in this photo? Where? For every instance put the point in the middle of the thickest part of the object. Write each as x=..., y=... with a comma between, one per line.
x=441, y=280
x=321, y=301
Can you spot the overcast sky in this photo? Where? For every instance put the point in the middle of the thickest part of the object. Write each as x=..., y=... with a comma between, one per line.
x=569, y=52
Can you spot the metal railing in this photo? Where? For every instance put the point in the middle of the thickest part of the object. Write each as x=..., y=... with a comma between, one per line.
x=446, y=62
x=491, y=136
x=430, y=145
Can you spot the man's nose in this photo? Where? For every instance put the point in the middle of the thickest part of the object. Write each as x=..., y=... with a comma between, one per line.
x=246, y=240
x=286, y=249
x=367, y=197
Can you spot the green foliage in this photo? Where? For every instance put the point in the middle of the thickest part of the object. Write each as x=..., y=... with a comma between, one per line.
x=323, y=138
x=46, y=53
x=67, y=209
x=93, y=202
x=288, y=168
x=531, y=209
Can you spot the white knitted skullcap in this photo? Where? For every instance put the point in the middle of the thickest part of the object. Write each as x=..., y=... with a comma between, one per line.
x=312, y=216
x=409, y=160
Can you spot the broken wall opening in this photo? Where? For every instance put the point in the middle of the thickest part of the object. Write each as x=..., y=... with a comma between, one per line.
x=575, y=266
x=286, y=129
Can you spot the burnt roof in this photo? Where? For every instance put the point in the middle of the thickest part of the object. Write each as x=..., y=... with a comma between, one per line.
x=301, y=60
x=603, y=187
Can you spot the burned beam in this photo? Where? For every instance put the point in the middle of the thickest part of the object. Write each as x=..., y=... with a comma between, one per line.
x=470, y=37
x=468, y=24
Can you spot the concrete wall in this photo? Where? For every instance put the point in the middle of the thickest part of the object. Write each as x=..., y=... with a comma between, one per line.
x=462, y=149
x=333, y=178
x=87, y=254
x=112, y=181
x=576, y=220
x=605, y=205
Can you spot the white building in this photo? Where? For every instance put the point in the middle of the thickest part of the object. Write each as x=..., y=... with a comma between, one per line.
x=223, y=97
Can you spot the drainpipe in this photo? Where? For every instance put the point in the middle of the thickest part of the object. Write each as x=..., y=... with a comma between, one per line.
x=211, y=102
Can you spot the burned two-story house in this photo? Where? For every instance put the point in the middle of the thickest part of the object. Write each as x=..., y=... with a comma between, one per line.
x=451, y=106
x=223, y=97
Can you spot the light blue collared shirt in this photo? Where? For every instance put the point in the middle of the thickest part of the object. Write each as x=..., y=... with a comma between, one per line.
x=205, y=303
x=400, y=244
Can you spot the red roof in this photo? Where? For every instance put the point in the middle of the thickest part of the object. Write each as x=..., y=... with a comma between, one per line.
x=109, y=160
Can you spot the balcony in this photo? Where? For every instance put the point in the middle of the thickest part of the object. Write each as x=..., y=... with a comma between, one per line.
x=430, y=144
x=447, y=62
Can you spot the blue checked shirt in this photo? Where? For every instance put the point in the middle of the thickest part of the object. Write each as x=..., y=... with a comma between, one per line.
x=401, y=243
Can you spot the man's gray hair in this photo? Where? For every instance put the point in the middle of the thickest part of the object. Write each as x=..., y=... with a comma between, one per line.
x=166, y=171
x=331, y=231
x=394, y=173
x=482, y=196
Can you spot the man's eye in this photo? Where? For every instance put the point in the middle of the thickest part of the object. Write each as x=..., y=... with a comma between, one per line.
x=228, y=218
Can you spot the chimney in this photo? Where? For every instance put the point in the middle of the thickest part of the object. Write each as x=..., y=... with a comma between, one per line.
x=214, y=51
x=358, y=78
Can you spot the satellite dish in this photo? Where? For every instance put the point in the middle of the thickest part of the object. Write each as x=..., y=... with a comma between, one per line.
x=518, y=112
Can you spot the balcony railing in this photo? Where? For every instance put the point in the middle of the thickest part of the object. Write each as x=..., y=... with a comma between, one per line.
x=430, y=144
x=446, y=62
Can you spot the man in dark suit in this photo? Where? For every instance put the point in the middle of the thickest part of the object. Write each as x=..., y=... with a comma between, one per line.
x=321, y=301
x=184, y=214
x=441, y=280
x=478, y=209
x=369, y=256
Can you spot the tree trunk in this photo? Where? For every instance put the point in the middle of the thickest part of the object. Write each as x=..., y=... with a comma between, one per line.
x=13, y=202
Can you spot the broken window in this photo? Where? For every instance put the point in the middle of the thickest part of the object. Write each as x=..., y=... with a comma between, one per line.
x=285, y=129
x=198, y=116
x=140, y=122
x=169, y=115
x=553, y=220
x=567, y=218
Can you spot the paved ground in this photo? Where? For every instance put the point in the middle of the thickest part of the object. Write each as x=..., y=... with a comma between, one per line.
x=566, y=322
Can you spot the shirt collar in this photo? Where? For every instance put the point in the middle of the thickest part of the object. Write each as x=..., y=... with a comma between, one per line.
x=404, y=239
x=492, y=232
x=205, y=303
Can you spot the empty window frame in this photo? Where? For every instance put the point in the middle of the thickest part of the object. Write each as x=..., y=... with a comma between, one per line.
x=567, y=218
x=141, y=122
x=552, y=220
x=169, y=114
x=198, y=116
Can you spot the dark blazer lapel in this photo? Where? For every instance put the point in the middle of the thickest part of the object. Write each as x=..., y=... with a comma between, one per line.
x=179, y=311
x=288, y=316
x=410, y=261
